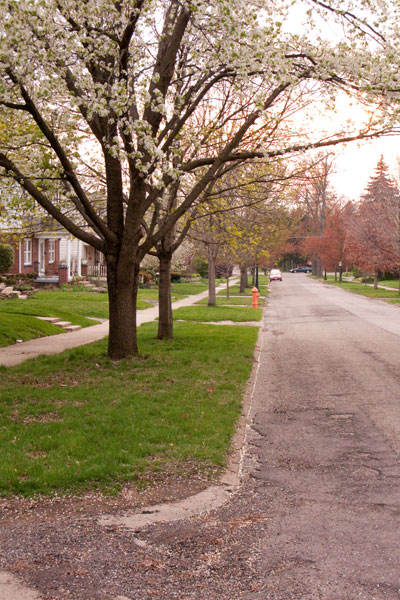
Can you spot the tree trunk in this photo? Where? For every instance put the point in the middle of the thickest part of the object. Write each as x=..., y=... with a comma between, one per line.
x=212, y=299
x=122, y=283
x=375, y=280
x=317, y=267
x=227, y=287
x=243, y=279
x=165, y=320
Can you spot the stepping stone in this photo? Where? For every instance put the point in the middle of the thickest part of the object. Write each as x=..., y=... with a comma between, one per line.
x=62, y=323
x=49, y=319
x=70, y=328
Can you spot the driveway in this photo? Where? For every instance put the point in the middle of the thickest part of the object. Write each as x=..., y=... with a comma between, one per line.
x=317, y=513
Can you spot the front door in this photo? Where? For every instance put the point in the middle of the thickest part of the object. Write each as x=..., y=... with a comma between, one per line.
x=42, y=263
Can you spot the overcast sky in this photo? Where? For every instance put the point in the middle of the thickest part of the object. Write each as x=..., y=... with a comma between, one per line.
x=357, y=161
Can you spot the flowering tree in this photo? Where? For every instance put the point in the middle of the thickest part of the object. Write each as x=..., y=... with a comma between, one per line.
x=109, y=91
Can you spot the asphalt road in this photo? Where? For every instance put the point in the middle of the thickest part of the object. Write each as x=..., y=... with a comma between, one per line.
x=318, y=513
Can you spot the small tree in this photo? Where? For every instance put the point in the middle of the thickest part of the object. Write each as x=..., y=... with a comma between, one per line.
x=6, y=258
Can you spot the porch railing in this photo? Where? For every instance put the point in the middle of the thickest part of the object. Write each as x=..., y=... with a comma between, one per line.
x=99, y=270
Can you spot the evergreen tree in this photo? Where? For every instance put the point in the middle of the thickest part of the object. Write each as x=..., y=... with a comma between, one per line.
x=381, y=187
x=375, y=230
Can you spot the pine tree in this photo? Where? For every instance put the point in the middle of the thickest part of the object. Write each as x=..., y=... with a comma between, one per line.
x=375, y=231
x=381, y=187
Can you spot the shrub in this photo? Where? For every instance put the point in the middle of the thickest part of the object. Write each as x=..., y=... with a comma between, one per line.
x=175, y=277
x=73, y=287
x=6, y=258
x=391, y=275
x=200, y=266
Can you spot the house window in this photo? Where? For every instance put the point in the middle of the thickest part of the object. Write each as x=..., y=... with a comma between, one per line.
x=52, y=251
x=28, y=252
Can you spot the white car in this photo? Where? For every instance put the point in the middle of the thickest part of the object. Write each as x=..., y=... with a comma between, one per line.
x=275, y=275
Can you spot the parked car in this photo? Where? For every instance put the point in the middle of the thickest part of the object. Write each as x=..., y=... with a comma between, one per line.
x=275, y=275
x=301, y=270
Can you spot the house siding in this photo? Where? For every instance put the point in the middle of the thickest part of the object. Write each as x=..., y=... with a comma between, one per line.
x=91, y=259
x=51, y=269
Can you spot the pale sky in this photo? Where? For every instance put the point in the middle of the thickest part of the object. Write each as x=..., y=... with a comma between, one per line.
x=356, y=163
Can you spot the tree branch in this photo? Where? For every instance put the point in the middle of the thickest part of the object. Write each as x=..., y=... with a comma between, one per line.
x=85, y=208
x=26, y=184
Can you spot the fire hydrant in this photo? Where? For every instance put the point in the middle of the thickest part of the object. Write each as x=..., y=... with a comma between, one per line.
x=255, y=293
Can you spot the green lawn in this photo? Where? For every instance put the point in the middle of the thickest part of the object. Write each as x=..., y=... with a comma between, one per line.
x=364, y=290
x=235, y=301
x=218, y=313
x=152, y=294
x=392, y=283
x=189, y=289
x=69, y=305
x=15, y=327
x=263, y=279
x=64, y=428
x=234, y=290
x=66, y=305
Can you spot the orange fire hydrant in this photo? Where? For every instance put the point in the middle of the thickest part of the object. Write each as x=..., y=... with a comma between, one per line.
x=255, y=293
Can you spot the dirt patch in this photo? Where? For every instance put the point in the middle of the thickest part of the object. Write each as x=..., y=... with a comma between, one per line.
x=166, y=489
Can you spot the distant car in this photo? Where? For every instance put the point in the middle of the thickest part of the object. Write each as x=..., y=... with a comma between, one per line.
x=301, y=270
x=275, y=275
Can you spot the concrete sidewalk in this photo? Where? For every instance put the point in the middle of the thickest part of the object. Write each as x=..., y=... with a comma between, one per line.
x=54, y=344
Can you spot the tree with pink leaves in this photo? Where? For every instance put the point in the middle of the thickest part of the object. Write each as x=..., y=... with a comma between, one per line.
x=332, y=246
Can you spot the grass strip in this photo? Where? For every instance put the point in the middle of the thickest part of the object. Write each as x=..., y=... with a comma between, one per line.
x=392, y=283
x=218, y=313
x=67, y=429
x=152, y=294
x=22, y=327
x=234, y=290
x=189, y=289
x=363, y=290
x=263, y=279
x=74, y=307
x=235, y=301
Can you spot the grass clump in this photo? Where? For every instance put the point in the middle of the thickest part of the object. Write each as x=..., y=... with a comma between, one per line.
x=189, y=289
x=392, y=283
x=74, y=307
x=234, y=290
x=64, y=428
x=364, y=290
x=234, y=301
x=218, y=313
x=21, y=327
